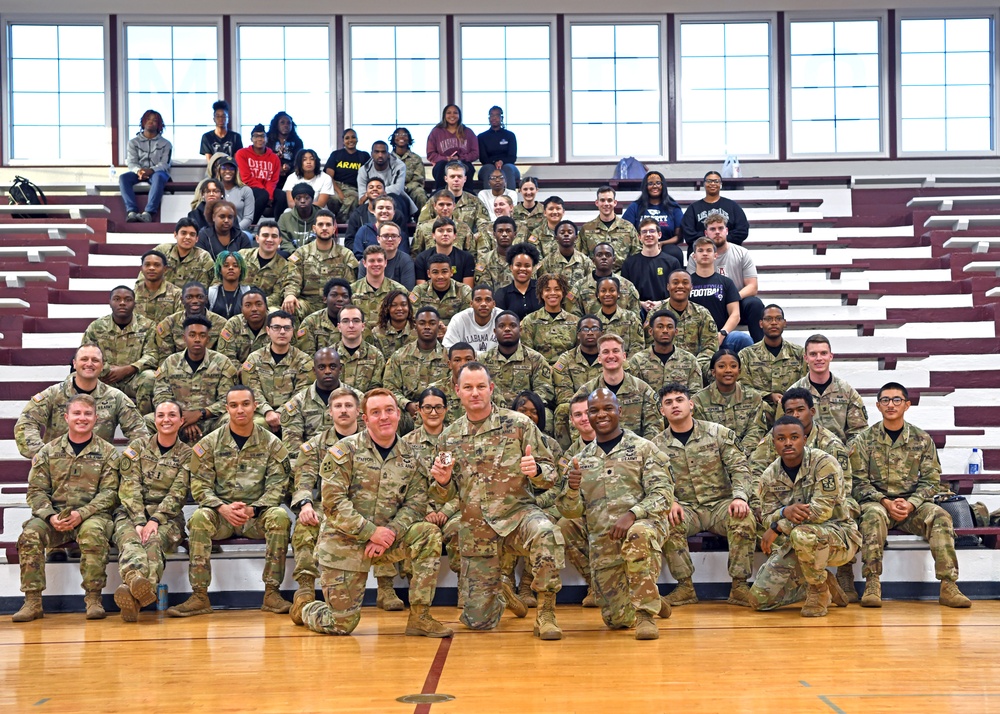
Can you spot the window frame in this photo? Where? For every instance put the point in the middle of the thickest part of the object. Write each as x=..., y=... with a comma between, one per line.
x=722, y=19
x=533, y=21
x=958, y=14
x=166, y=20
x=5, y=101
x=328, y=21
x=882, y=17
x=567, y=89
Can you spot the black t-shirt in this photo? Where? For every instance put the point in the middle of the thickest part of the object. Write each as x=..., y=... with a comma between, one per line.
x=608, y=446
x=193, y=364
x=792, y=471
x=463, y=265
x=590, y=358
x=229, y=144
x=614, y=387
x=324, y=395
x=649, y=275
x=683, y=436
x=822, y=387
x=384, y=452
x=774, y=350
x=509, y=298
x=665, y=357
x=346, y=166
x=78, y=448
x=894, y=433
x=714, y=293
x=277, y=358
x=241, y=441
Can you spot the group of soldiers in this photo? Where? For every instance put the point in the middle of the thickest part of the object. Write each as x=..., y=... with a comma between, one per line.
x=571, y=437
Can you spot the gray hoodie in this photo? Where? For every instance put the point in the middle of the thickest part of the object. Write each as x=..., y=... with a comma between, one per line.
x=146, y=153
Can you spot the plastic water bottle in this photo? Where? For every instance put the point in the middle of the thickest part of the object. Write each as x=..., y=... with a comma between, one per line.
x=975, y=464
x=112, y=174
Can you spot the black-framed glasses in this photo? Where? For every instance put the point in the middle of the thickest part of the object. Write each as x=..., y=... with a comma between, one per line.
x=436, y=408
x=895, y=401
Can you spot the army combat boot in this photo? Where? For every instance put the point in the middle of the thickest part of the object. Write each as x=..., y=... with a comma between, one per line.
x=127, y=603
x=511, y=600
x=546, y=627
x=31, y=609
x=524, y=590
x=951, y=596
x=665, y=609
x=873, y=592
x=141, y=588
x=307, y=590
x=739, y=593
x=837, y=595
x=645, y=628
x=817, y=599
x=683, y=594
x=845, y=577
x=387, y=598
x=274, y=602
x=589, y=600
x=95, y=608
x=421, y=624
x=197, y=604
x=301, y=599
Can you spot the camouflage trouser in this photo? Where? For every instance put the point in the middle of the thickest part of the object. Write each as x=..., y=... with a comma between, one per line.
x=929, y=521
x=343, y=206
x=563, y=432
x=715, y=518
x=149, y=558
x=303, y=547
x=143, y=396
x=799, y=561
x=623, y=589
x=417, y=193
x=344, y=590
x=535, y=537
x=449, y=537
x=93, y=536
x=206, y=525
x=574, y=532
x=130, y=385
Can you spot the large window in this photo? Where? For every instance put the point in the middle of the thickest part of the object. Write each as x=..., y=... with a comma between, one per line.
x=835, y=80
x=510, y=66
x=395, y=81
x=616, y=78
x=946, y=84
x=286, y=69
x=725, y=76
x=174, y=70
x=56, y=93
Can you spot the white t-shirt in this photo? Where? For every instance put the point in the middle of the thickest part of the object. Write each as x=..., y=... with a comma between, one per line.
x=486, y=197
x=463, y=328
x=321, y=183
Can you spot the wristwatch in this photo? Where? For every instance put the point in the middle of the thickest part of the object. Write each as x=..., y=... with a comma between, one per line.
x=775, y=528
x=724, y=333
x=204, y=415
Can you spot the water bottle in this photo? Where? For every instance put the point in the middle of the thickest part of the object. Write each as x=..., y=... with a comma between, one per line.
x=112, y=174
x=975, y=464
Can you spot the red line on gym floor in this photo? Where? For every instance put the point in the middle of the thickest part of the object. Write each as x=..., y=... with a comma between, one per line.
x=434, y=674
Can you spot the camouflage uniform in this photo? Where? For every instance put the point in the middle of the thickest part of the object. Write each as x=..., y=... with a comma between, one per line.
x=304, y=416
x=309, y=269
x=492, y=270
x=681, y=366
x=155, y=306
x=270, y=278
x=410, y=370
x=197, y=266
x=363, y=491
x=640, y=412
x=168, y=337
x=577, y=268
x=202, y=389
x=423, y=238
x=61, y=481
x=549, y=335
x=574, y=530
x=455, y=408
x=42, y=421
x=129, y=346
x=528, y=219
x=908, y=468
x=543, y=238
x=742, y=411
x=523, y=370
x=416, y=177
x=457, y=298
x=627, y=325
x=426, y=447
x=388, y=339
x=498, y=509
x=708, y=473
x=582, y=297
x=839, y=408
x=767, y=373
x=364, y=296
x=828, y=537
x=152, y=486
x=362, y=370
x=257, y=475
x=317, y=331
x=306, y=489
x=634, y=478
x=468, y=210
x=698, y=334
x=570, y=372
x=622, y=236
x=237, y=340
x=274, y=383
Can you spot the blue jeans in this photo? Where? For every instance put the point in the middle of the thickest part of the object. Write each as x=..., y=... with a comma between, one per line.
x=736, y=341
x=157, y=184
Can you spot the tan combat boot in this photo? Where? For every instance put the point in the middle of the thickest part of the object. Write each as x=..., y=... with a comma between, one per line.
x=197, y=604
x=845, y=577
x=386, y=597
x=301, y=599
x=665, y=609
x=127, y=603
x=589, y=600
x=739, y=593
x=525, y=592
x=683, y=594
x=31, y=609
x=95, y=608
x=951, y=596
x=142, y=589
x=511, y=601
x=274, y=602
x=873, y=592
x=817, y=598
x=306, y=591
x=422, y=624
x=645, y=628
x=837, y=595
x=546, y=627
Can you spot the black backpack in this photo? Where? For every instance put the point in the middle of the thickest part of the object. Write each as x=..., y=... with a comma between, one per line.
x=24, y=193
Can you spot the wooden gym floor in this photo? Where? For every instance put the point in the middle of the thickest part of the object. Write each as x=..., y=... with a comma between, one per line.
x=909, y=656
